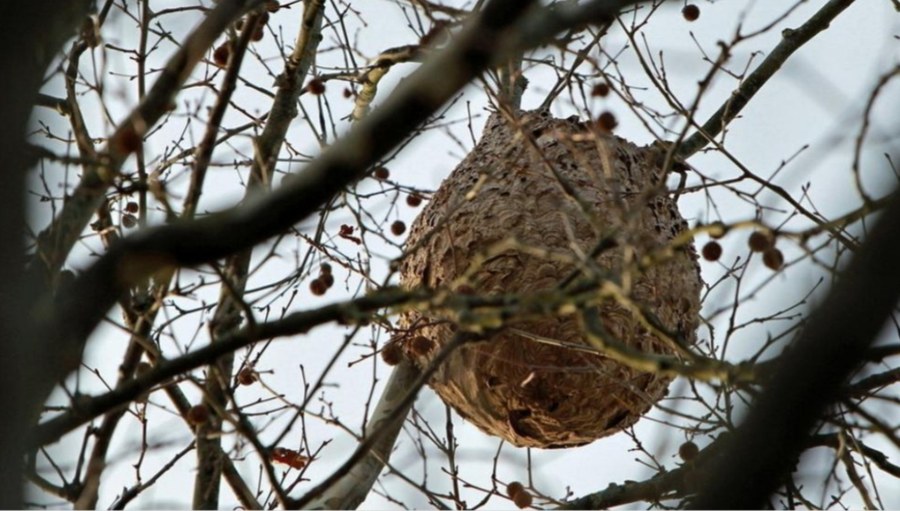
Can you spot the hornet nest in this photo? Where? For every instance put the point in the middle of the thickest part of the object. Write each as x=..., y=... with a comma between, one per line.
x=512, y=186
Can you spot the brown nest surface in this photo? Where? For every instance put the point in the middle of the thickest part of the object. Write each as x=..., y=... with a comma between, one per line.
x=556, y=187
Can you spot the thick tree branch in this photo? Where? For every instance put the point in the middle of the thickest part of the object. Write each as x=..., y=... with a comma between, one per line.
x=351, y=489
x=810, y=376
x=297, y=323
x=68, y=322
x=383, y=434
x=31, y=34
x=227, y=316
x=57, y=240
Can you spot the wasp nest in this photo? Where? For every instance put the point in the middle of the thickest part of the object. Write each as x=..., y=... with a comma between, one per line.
x=552, y=188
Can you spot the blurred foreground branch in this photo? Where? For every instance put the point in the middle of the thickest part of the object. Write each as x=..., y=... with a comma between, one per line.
x=809, y=377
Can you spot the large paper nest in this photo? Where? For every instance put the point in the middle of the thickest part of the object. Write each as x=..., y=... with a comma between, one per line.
x=528, y=392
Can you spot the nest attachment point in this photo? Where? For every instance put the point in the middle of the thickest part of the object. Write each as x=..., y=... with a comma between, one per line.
x=556, y=187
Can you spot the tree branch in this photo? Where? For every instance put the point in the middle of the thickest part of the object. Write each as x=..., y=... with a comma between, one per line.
x=810, y=375
x=791, y=41
x=487, y=40
x=31, y=34
x=300, y=322
x=351, y=489
x=55, y=242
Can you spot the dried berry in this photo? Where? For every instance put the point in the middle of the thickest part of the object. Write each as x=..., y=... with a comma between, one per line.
x=221, y=54
x=381, y=173
x=346, y=232
x=392, y=353
x=522, y=499
x=348, y=93
x=420, y=345
x=272, y=5
x=247, y=376
x=132, y=207
x=324, y=269
x=126, y=141
x=688, y=451
x=198, y=414
x=398, y=228
x=317, y=287
x=413, y=200
x=773, y=258
x=690, y=12
x=129, y=220
x=607, y=122
x=327, y=279
x=289, y=457
x=259, y=34
x=712, y=251
x=316, y=86
x=514, y=488
x=600, y=90
x=760, y=241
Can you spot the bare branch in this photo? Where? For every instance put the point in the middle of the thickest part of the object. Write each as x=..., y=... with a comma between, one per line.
x=191, y=243
x=792, y=40
x=810, y=375
x=352, y=488
x=57, y=240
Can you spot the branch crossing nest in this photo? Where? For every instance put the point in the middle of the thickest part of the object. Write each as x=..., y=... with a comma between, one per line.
x=551, y=189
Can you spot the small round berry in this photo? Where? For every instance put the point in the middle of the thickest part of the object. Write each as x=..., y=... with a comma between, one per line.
x=259, y=34
x=759, y=241
x=316, y=87
x=128, y=141
x=381, y=173
x=272, y=5
x=348, y=93
x=327, y=279
x=712, y=251
x=132, y=207
x=221, y=54
x=420, y=345
x=690, y=12
x=773, y=258
x=607, y=122
x=129, y=220
x=392, y=353
x=198, y=414
x=413, y=200
x=398, y=228
x=325, y=268
x=600, y=90
x=522, y=499
x=317, y=287
x=688, y=451
x=247, y=376
x=514, y=488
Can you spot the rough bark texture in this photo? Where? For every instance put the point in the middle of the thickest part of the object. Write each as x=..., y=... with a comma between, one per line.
x=530, y=393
